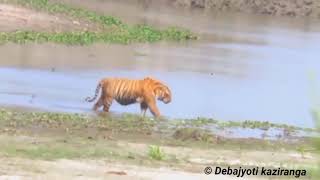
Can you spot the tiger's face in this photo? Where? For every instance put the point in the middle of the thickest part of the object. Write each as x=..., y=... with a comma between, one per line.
x=164, y=95
x=160, y=91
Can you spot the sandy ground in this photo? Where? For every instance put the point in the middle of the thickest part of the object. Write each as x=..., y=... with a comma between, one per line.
x=17, y=18
x=13, y=168
x=105, y=168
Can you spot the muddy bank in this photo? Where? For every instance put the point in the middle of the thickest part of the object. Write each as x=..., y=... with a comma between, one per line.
x=295, y=8
x=189, y=133
x=35, y=138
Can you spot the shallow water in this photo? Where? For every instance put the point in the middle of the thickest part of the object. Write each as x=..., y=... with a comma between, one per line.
x=244, y=67
x=270, y=134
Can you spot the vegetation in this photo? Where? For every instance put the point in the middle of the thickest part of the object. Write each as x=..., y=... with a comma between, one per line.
x=125, y=138
x=47, y=6
x=114, y=30
x=156, y=153
x=129, y=121
x=194, y=134
x=56, y=151
x=263, y=125
x=167, y=132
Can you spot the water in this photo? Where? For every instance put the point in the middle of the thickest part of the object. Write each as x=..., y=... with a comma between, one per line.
x=242, y=68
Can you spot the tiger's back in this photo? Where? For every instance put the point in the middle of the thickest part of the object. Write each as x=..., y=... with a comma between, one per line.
x=124, y=91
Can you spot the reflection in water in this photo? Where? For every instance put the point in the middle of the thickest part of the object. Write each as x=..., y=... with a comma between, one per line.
x=163, y=57
x=242, y=68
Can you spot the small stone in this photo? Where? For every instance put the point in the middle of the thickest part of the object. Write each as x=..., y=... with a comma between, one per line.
x=76, y=22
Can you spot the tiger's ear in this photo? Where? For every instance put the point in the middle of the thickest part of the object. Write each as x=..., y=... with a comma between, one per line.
x=149, y=78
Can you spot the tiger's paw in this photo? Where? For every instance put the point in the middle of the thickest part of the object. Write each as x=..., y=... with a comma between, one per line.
x=161, y=118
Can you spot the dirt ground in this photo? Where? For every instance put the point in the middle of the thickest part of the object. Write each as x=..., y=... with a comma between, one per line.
x=25, y=168
x=13, y=168
x=105, y=168
x=14, y=18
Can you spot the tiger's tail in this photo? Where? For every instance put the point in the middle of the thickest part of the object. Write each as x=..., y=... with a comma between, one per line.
x=88, y=99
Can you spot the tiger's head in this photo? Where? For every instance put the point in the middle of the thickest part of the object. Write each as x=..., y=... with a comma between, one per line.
x=161, y=91
x=163, y=94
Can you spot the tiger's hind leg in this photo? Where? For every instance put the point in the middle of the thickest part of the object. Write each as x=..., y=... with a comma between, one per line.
x=107, y=103
x=143, y=107
x=98, y=104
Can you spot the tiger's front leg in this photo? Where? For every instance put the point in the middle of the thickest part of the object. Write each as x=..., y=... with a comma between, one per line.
x=151, y=102
x=143, y=107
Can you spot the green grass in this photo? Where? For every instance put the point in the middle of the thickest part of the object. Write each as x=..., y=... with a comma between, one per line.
x=85, y=38
x=52, y=149
x=59, y=8
x=251, y=124
x=129, y=122
x=131, y=128
x=73, y=122
x=194, y=134
x=114, y=31
x=156, y=153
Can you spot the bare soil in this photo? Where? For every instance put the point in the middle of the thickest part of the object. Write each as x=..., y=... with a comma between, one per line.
x=14, y=18
x=105, y=168
x=15, y=168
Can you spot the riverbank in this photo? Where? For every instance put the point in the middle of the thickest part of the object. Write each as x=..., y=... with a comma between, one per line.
x=60, y=140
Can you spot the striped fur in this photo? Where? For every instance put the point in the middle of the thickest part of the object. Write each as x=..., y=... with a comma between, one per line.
x=127, y=91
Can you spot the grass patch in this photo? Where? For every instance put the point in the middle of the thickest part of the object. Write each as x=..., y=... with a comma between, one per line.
x=88, y=38
x=75, y=148
x=129, y=127
x=156, y=153
x=59, y=8
x=115, y=30
x=251, y=124
x=194, y=134
x=128, y=121
x=203, y=138
x=72, y=123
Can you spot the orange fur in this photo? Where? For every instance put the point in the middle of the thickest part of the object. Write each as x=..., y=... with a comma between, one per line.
x=128, y=91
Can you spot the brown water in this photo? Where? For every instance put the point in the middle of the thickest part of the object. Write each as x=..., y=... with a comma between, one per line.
x=244, y=67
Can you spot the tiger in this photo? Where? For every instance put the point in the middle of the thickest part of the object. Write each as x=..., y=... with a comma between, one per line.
x=129, y=91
